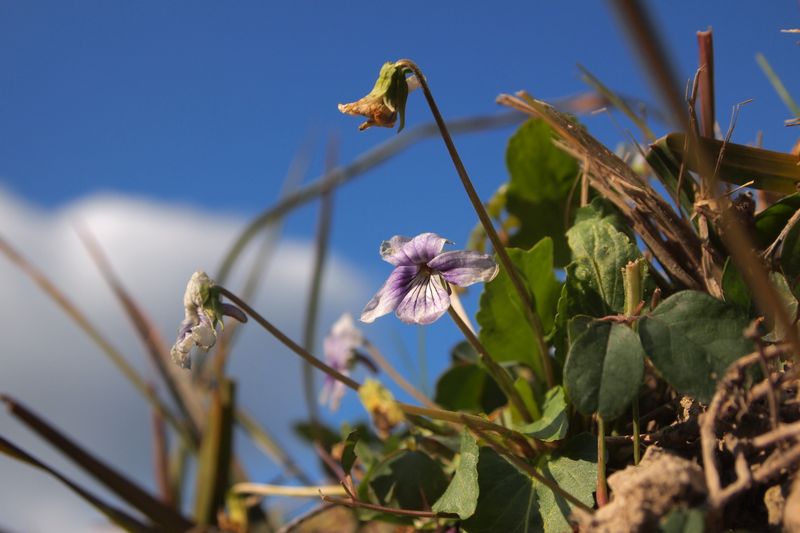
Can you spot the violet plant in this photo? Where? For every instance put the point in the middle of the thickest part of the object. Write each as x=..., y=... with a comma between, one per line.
x=534, y=408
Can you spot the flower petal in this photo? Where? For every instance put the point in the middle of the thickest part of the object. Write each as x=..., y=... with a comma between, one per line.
x=426, y=300
x=332, y=392
x=392, y=292
x=419, y=250
x=465, y=267
x=391, y=250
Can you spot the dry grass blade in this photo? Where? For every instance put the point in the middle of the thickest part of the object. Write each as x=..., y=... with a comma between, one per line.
x=117, y=516
x=214, y=459
x=617, y=102
x=120, y=485
x=362, y=164
x=731, y=230
x=740, y=164
x=73, y=312
x=671, y=239
x=180, y=389
x=778, y=85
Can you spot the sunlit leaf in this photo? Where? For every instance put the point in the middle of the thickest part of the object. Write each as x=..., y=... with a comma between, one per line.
x=554, y=421
x=461, y=496
x=505, y=332
x=542, y=177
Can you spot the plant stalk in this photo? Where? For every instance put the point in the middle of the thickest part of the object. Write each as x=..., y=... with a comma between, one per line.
x=296, y=348
x=632, y=284
x=602, y=486
x=497, y=372
x=525, y=297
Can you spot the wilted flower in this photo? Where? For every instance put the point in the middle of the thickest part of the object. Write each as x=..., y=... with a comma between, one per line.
x=385, y=102
x=418, y=288
x=380, y=404
x=203, y=310
x=339, y=348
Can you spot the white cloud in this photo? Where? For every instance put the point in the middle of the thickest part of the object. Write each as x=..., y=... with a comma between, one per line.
x=50, y=365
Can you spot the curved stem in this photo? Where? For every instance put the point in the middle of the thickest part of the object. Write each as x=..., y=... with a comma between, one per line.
x=497, y=372
x=486, y=222
x=296, y=348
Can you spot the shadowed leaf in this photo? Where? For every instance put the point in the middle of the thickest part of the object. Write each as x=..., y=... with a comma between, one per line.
x=692, y=338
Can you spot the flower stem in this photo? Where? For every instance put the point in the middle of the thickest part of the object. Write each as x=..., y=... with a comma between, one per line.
x=632, y=284
x=495, y=370
x=525, y=297
x=602, y=487
x=278, y=334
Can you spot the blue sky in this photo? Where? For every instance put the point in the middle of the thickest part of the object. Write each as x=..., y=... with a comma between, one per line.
x=203, y=105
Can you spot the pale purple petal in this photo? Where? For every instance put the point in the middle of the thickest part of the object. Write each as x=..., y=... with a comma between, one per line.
x=338, y=351
x=390, y=250
x=417, y=251
x=465, y=267
x=390, y=295
x=332, y=392
x=346, y=328
x=425, y=302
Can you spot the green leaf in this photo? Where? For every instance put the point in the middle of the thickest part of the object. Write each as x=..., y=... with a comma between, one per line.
x=594, y=278
x=511, y=501
x=464, y=352
x=742, y=165
x=790, y=254
x=601, y=210
x=461, y=496
x=407, y=480
x=604, y=369
x=692, y=338
x=683, y=521
x=734, y=289
x=554, y=422
x=349, y=453
x=467, y=387
x=525, y=391
x=542, y=177
x=773, y=219
x=504, y=331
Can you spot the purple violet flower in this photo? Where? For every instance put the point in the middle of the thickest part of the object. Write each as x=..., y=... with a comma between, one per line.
x=339, y=348
x=418, y=288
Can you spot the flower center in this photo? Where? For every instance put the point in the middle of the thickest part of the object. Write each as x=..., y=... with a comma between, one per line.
x=425, y=270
